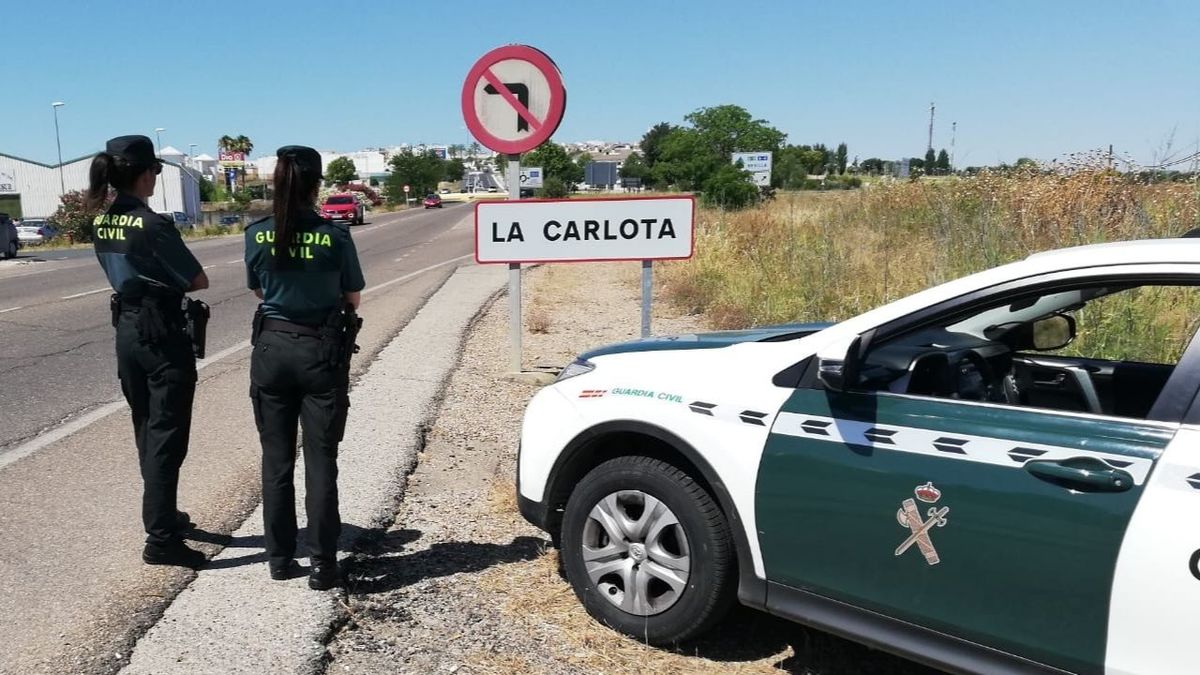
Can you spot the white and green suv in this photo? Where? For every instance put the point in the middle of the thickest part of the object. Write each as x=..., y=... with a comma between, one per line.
x=952, y=476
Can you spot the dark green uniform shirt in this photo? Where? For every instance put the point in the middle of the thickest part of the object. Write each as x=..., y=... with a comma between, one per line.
x=138, y=248
x=322, y=266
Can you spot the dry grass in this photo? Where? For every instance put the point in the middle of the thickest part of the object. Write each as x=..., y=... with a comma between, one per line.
x=537, y=320
x=827, y=257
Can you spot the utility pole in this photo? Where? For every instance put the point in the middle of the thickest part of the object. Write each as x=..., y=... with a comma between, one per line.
x=930, y=146
x=953, y=135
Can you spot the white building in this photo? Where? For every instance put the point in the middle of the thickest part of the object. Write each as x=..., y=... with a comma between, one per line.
x=366, y=162
x=33, y=189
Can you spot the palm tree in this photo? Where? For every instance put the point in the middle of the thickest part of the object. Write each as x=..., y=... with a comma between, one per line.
x=476, y=148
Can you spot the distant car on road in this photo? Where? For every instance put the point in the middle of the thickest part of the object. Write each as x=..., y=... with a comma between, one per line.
x=230, y=219
x=445, y=191
x=35, y=231
x=9, y=240
x=433, y=201
x=343, y=207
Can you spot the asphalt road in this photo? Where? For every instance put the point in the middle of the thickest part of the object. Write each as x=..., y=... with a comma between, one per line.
x=74, y=594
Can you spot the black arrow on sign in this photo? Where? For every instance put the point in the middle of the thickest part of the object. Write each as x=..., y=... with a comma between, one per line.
x=519, y=90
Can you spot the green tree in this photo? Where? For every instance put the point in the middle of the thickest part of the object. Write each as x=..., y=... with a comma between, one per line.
x=208, y=190
x=634, y=167
x=455, y=169
x=729, y=128
x=652, y=142
x=841, y=158
x=729, y=188
x=930, y=163
x=555, y=163
x=340, y=171
x=421, y=172
x=872, y=166
x=943, y=162
x=553, y=188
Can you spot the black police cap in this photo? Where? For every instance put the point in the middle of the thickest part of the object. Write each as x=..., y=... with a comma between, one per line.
x=136, y=150
x=307, y=159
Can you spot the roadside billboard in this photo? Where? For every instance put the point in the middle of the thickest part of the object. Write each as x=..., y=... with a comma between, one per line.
x=229, y=159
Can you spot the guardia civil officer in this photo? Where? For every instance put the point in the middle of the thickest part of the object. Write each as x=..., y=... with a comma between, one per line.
x=306, y=271
x=150, y=269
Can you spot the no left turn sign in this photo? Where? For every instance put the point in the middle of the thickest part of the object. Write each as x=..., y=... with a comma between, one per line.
x=513, y=99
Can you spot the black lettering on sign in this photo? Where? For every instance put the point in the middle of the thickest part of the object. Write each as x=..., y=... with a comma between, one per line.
x=591, y=229
x=572, y=231
x=546, y=230
x=631, y=232
x=1194, y=564
x=649, y=223
x=514, y=233
x=668, y=230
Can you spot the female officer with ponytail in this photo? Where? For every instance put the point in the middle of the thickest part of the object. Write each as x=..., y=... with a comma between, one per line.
x=150, y=269
x=306, y=271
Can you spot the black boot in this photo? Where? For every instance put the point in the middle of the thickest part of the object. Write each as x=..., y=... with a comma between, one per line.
x=173, y=553
x=284, y=571
x=324, y=576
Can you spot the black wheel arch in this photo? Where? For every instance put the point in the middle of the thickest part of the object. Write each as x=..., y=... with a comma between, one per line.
x=617, y=438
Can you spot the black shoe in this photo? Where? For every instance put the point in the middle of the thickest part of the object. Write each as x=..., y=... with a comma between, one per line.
x=183, y=521
x=174, y=553
x=285, y=571
x=324, y=576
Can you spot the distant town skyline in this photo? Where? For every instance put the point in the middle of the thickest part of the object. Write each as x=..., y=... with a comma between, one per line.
x=1020, y=77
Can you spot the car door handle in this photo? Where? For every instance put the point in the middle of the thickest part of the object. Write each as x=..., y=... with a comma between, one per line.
x=1057, y=381
x=1086, y=474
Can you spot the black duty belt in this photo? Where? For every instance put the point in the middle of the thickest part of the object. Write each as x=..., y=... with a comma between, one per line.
x=284, y=326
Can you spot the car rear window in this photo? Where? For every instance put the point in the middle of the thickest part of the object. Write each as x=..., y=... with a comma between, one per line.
x=340, y=200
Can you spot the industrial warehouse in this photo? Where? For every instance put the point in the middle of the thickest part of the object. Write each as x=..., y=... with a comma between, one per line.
x=30, y=189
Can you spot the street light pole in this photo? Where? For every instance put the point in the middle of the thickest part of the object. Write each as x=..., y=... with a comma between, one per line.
x=157, y=136
x=62, y=183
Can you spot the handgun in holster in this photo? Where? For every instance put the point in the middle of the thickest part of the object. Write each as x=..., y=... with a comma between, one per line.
x=197, y=313
x=339, y=333
x=114, y=306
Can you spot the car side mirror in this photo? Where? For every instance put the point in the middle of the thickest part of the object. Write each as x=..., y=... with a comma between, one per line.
x=839, y=375
x=1053, y=332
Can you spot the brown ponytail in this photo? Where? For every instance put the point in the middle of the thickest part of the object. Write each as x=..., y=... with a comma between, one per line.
x=294, y=192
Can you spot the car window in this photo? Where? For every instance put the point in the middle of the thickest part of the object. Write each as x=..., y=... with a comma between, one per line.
x=1107, y=349
x=340, y=200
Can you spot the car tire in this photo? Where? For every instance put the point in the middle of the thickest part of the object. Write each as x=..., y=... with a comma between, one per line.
x=12, y=250
x=696, y=530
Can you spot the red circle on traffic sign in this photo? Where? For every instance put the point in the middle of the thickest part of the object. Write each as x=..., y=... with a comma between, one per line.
x=541, y=129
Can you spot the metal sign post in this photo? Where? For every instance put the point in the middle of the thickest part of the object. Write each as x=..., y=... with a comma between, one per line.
x=647, y=295
x=514, y=276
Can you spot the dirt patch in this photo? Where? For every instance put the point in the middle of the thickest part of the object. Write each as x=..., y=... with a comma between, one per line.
x=462, y=584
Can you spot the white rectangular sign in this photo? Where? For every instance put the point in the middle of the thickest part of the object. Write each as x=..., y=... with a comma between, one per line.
x=758, y=164
x=531, y=176
x=581, y=230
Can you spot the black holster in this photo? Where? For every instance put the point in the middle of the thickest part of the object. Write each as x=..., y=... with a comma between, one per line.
x=339, y=334
x=114, y=306
x=256, y=327
x=197, y=313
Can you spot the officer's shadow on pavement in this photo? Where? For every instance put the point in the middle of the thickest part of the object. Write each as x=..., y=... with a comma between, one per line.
x=256, y=545
x=387, y=567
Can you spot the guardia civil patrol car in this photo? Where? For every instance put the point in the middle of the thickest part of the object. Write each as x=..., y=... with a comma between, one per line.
x=937, y=477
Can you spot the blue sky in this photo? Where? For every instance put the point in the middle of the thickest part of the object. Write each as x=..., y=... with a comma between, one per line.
x=1021, y=78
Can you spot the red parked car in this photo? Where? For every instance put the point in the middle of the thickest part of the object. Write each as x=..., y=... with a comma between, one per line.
x=433, y=201
x=343, y=207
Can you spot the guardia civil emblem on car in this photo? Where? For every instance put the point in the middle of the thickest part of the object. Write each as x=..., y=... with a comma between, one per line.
x=910, y=516
x=786, y=462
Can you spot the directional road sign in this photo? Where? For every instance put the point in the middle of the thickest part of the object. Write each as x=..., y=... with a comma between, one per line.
x=513, y=99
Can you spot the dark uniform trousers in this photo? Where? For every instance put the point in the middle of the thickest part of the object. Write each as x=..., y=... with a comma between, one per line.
x=159, y=382
x=292, y=380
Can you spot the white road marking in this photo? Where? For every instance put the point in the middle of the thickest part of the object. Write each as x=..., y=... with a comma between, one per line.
x=10, y=309
x=87, y=419
x=92, y=292
x=419, y=272
x=234, y=262
x=208, y=267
